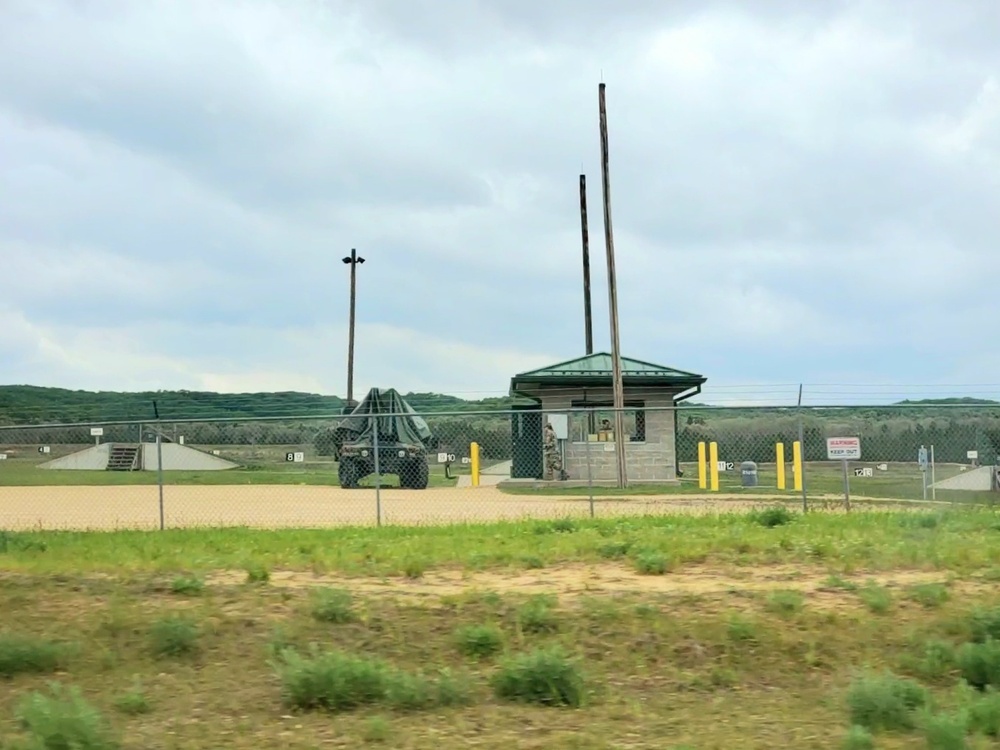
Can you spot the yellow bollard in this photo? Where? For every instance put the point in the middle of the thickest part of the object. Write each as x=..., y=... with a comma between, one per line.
x=797, y=464
x=474, y=463
x=713, y=464
x=702, y=479
x=779, y=450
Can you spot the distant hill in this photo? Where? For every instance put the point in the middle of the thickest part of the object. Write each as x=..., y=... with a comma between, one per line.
x=26, y=404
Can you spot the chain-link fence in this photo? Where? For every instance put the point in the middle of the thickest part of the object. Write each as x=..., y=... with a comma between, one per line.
x=487, y=466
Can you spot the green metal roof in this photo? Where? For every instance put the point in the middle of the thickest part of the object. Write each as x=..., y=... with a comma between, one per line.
x=595, y=369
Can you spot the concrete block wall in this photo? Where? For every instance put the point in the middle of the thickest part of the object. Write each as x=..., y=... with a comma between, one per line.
x=652, y=460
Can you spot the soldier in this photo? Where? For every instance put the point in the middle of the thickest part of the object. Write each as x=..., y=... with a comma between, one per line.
x=553, y=461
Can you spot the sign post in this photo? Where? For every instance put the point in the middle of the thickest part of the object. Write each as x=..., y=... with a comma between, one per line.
x=96, y=433
x=844, y=449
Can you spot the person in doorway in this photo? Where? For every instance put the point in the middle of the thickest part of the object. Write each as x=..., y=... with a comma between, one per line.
x=553, y=459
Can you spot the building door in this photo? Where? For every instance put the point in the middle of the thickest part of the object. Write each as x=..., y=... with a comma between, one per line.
x=526, y=442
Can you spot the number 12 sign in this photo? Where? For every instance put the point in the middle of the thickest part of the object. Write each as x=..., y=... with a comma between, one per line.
x=843, y=448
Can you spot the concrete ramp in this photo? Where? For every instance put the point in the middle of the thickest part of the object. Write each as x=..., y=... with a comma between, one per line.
x=977, y=480
x=89, y=459
x=178, y=457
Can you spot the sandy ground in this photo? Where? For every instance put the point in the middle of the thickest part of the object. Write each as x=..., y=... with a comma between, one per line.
x=274, y=506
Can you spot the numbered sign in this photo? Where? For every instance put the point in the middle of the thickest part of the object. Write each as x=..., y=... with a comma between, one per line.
x=864, y=472
x=442, y=458
x=726, y=466
x=297, y=457
x=44, y=449
x=466, y=459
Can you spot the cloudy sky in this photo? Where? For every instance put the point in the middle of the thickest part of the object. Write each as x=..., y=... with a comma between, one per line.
x=801, y=192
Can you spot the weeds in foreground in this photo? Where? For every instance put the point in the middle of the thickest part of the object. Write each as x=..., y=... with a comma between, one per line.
x=63, y=720
x=546, y=677
x=984, y=714
x=258, y=574
x=133, y=702
x=979, y=664
x=786, y=602
x=858, y=738
x=336, y=682
x=885, y=701
x=652, y=563
x=537, y=615
x=929, y=595
x=333, y=605
x=174, y=636
x=935, y=663
x=779, y=515
x=186, y=586
x=479, y=641
x=23, y=655
x=945, y=731
x=877, y=599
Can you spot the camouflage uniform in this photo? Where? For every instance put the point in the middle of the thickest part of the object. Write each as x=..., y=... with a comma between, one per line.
x=553, y=460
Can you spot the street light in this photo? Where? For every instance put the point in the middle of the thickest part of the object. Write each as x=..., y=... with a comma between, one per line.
x=352, y=260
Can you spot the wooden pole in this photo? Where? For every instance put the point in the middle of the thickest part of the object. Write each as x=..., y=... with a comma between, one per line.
x=588, y=318
x=616, y=359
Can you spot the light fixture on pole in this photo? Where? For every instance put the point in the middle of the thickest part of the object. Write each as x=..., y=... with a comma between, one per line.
x=352, y=260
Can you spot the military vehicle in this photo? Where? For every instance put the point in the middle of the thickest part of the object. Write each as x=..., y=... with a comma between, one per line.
x=403, y=438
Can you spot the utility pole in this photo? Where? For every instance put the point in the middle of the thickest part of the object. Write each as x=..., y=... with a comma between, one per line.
x=588, y=319
x=353, y=260
x=616, y=356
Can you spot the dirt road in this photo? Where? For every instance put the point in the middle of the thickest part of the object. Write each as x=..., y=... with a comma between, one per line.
x=273, y=506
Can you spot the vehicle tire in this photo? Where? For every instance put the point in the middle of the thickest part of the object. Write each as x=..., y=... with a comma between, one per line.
x=419, y=474
x=347, y=473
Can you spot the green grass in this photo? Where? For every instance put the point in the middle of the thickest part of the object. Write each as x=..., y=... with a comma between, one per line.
x=962, y=540
x=26, y=473
x=466, y=657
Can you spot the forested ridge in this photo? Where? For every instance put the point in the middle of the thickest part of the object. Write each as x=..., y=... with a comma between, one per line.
x=892, y=432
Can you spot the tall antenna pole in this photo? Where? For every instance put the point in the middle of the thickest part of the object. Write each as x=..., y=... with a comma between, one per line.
x=353, y=260
x=616, y=357
x=588, y=318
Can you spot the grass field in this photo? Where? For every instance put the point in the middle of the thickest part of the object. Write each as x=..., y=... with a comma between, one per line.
x=764, y=630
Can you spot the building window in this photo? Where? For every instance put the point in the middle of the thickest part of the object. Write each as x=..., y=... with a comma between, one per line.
x=598, y=421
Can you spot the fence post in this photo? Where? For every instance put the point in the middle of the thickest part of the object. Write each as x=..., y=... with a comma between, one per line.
x=713, y=465
x=800, y=460
x=378, y=476
x=590, y=474
x=933, y=476
x=159, y=470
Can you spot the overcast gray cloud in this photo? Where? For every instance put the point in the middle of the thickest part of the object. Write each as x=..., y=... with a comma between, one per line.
x=801, y=191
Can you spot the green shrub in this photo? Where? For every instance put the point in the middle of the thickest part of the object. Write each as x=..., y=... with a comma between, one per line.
x=63, y=720
x=479, y=641
x=258, y=574
x=614, y=550
x=779, y=515
x=332, y=681
x=332, y=605
x=537, y=616
x=935, y=662
x=984, y=714
x=786, y=602
x=741, y=629
x=885, y=701
x=929, y=595
x=22, y=655
x=877, y=599
x=945, y=731
x=409, y=692
x=545, y=677
x=133, y=702
x=174, y=636
x=652, y=563
x=337, y=682
x=979, y=664
x=984, y=625
x=187, y=586
x=858, y=738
